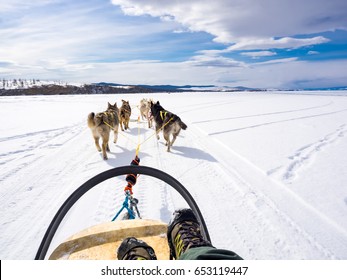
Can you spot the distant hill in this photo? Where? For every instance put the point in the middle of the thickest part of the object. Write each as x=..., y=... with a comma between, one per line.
x=158, y=88
x=37, y=87
x=68, y=89
x=328, y=88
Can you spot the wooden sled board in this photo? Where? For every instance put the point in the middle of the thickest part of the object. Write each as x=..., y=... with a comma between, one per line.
x=101, y=242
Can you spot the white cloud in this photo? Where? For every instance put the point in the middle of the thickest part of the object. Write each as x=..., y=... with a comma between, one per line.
x=6, y=63
x=276, y=61
x=289, y=74
x=214, y=61
x=258, y=54
x=279, y=73
x=253, y=21
x=181, y=30
x=283, y=43
x=253, y=25
x=77, y=34
x=153, y=72
x=10, y=5
x=67, y=42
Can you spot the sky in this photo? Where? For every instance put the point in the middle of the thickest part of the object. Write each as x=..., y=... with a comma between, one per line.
x=287, y=44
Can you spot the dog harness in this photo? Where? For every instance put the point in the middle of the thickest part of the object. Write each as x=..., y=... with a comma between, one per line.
x=107, y=113
x=163, y=114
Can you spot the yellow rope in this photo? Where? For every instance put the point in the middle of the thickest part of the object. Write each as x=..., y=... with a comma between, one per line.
x=109, y=125
x=157, y=131
x=139, y=144
x=120, y=133
x=138, y=136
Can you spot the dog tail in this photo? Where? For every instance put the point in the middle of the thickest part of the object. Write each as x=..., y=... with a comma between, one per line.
x=100, y=118
x=182, y=124
x=91, y=121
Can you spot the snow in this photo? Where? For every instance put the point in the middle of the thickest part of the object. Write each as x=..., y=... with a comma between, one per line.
x=267, y=169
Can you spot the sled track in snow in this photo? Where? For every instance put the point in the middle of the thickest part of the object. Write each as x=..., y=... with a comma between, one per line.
x=28, y=182
x=33, y=149
x=249, y=190
x=306, y=154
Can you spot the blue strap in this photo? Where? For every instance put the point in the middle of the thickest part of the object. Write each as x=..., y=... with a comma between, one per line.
x=126, y=206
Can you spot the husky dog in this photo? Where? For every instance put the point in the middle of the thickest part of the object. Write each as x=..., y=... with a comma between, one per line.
x=101, y=125
x=145, y=111
x=124, y=115
x=168, y=122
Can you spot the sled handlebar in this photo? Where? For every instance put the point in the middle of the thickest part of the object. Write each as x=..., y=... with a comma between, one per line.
x=118, y=171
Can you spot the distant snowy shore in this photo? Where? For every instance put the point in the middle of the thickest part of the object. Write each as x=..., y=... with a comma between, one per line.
x=9, y=87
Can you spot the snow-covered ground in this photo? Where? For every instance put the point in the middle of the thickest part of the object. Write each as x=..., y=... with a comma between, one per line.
x=268, y=170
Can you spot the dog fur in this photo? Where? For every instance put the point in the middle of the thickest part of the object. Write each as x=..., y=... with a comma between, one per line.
x=145, y=111
x=101, y=125
x=124, y=115
x=170, y=123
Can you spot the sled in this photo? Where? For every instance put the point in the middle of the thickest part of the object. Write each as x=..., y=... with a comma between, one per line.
x=100, y=242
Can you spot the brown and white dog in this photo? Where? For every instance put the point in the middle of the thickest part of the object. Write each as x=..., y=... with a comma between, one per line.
x=124, y=115
x=145, y=111
x=101, y=125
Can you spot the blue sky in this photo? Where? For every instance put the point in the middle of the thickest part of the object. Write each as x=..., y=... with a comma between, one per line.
x=269, y=43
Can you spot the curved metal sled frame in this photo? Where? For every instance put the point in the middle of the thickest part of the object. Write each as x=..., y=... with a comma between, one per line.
x=118, y=171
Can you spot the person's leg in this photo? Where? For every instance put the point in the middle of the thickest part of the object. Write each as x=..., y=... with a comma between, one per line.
x=187, y=243
x=208, y=253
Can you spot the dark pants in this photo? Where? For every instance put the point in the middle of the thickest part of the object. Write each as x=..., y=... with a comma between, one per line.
x=208, y=253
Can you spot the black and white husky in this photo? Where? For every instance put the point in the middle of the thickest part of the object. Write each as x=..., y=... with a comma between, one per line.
x=168, y=122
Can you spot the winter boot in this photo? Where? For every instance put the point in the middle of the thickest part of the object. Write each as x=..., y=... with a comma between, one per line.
x=134, y=249
x=184, y=232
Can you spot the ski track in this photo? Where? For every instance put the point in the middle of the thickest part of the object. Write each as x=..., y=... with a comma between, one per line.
x=48, y=139
x=155, y=190
x=301, y=209
x=265, y=114
x=261, y=212
x=278, y=122
x=29, y=182
x=305, y=155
